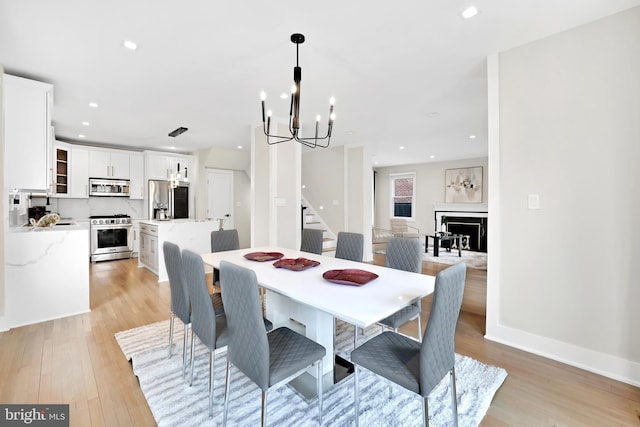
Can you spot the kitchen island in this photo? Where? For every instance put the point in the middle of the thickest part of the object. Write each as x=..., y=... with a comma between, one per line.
x=46, y=274
x=191, y=234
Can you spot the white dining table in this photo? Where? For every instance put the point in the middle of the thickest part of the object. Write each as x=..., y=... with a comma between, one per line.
x=313, y=302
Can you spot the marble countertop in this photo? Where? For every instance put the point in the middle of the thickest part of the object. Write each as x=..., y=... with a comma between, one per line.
x=172, y=221
x=55, y=228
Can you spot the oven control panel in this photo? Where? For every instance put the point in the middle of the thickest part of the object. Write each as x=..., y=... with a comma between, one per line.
x=109, y=221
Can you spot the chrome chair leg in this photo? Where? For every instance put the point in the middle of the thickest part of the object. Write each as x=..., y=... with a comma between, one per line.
x=185, y=340
x=193, y=340
x=425, y=412
x=356, y=397
x=226, y=394
x=355, y=337
x=454, y=399
x=212, y=359
x=264, y=408
x=171, y=333
x=319, y=391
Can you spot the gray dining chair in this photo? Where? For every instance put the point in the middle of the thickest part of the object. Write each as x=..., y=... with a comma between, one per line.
x=404, y=254
x=419, y=367
x=269, y=360
x=312, y=241
x=209, y=328
x=179, y=297
x=223, y=240
x=350, y=246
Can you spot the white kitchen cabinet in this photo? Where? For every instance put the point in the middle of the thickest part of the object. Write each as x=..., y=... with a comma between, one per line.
x=136, y=176
x=27, y=136
x=162, y=165
x=148, y=254
x=109, y=164
x=79, y=175
x=136, y=238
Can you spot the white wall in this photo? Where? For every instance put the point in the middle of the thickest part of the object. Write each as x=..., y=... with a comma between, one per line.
x=323, y=175
x=430, y=186
x=276, y=192
x=3, y=205
x=237, y=161
x=340, y=179
x=564, y=284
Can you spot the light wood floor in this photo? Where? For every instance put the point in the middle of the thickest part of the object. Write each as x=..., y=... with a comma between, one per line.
x=76, y=360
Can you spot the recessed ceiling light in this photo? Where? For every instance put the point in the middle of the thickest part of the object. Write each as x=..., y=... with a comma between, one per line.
x=376, y=162
x=304, y=186
x=93, y=105
x=130, y=45
x=472, y=137
x=81, y=136
x=85, y=123
x=239, y=147
x=469, y=12
x=284, y=96
x=173, y=147
x=402, y=147
x=432, y=156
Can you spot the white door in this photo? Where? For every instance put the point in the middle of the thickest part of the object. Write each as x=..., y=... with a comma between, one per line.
x=220, y=196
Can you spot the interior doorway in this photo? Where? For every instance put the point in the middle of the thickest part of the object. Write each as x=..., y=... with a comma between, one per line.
x=220, y=197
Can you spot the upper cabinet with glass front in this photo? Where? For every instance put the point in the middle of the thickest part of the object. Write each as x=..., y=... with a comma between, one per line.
x=27, y=135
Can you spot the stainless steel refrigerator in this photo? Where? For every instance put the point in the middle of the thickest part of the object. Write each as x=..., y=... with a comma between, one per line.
x=166, y=202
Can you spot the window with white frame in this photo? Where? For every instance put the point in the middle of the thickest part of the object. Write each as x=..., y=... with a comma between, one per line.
x=403, y=195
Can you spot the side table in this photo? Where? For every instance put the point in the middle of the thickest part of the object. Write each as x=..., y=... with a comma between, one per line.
x=442, y=237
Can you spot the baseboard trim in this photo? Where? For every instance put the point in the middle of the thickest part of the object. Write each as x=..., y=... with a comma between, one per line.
x=17, y=325
x=613, y=367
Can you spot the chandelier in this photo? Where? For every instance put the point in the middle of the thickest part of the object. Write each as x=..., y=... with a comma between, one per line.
x=294, y=112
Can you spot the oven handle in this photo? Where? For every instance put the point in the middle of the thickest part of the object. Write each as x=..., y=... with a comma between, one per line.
x=110, y=226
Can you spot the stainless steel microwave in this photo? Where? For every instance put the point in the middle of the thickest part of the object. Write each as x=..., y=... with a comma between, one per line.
x=109, y=187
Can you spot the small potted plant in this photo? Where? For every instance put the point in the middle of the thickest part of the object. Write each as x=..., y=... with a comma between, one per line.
x=443, y=224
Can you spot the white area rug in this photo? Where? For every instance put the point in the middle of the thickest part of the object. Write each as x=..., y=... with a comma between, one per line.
x=174, y=403
x=471, y=258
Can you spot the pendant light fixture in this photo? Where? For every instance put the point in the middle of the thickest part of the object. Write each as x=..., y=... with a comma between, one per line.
x=294, y=112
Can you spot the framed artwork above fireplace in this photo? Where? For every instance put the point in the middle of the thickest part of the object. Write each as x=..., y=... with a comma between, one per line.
x=463, y=185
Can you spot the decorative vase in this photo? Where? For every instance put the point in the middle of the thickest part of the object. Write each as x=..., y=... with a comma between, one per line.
x=443, y=228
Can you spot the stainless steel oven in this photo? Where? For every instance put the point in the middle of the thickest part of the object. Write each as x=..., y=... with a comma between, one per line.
x=111, y=237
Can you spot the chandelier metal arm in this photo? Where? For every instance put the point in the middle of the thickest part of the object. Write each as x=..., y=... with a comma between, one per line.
x=294, y=111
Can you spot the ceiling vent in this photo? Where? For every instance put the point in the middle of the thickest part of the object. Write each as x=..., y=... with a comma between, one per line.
x=178, y=131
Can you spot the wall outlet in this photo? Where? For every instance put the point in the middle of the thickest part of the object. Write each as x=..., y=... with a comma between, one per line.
x=534, y=201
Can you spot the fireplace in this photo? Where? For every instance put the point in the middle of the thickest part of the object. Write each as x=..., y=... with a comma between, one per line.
x=468, y=220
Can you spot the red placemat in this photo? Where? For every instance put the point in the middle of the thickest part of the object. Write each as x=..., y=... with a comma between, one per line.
x=263, y=256
x=297, y=264
x=349, y=276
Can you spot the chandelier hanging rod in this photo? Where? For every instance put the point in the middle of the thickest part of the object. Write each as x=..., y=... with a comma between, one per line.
x=294, y=112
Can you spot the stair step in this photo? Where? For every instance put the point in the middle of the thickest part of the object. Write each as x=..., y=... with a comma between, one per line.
x=330, y=249
x=312, y=222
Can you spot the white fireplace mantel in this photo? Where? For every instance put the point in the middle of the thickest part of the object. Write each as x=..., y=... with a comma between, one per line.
x=461, y=207
x=461, y=210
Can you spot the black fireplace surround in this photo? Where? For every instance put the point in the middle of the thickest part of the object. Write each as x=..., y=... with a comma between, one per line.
x=474, y=227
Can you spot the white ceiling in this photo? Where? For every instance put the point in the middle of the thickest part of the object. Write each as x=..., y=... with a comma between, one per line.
x=407, y=73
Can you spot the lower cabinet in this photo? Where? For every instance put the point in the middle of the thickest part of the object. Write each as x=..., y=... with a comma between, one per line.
x=148, y=253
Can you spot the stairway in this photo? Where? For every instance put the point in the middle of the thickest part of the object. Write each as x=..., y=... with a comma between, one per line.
x=311, y=219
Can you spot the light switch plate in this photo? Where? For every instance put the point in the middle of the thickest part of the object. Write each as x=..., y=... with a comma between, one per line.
x=534, y=201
